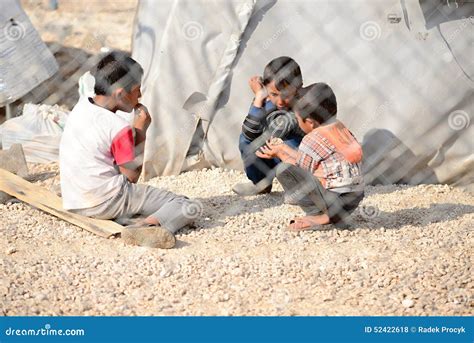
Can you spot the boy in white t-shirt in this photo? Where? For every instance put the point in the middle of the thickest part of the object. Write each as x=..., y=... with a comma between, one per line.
x=100, y=159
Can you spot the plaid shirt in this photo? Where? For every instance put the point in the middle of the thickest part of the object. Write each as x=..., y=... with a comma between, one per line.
x=333, y=155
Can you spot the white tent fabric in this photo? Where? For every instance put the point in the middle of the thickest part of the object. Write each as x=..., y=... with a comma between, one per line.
x=403, y=77
x=25, y=61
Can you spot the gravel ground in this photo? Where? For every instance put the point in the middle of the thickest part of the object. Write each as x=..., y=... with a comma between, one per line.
x=86, y=25
x=409, y=252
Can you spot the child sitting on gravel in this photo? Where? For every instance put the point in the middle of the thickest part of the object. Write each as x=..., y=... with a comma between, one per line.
x=100, y=159
x=269, y=115
x=324, y=176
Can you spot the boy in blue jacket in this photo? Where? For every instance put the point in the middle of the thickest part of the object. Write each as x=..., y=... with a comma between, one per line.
x=270, y=115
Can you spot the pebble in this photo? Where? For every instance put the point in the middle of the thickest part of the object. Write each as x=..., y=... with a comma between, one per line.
x=11, y=251
x=407, y=303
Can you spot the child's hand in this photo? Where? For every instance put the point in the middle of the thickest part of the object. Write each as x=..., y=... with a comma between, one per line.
x=257, y=87
x=142, y=117
x=268, y=151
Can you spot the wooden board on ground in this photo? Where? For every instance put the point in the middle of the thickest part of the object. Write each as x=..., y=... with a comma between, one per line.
x=49, y=202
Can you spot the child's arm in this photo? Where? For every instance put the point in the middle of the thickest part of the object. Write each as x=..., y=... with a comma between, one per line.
x=141, y=123
x=133, y=169
x=257, y=87
x=282, y=151
x=253, y=123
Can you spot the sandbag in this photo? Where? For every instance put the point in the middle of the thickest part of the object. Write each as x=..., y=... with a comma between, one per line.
x=38, y=130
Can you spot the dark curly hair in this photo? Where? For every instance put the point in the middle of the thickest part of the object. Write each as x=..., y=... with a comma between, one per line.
x=317, y=102
x=116, y=70
x=284, y=71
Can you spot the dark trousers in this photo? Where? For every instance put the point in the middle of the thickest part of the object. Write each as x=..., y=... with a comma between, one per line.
x=258, y=169
x=308, y=192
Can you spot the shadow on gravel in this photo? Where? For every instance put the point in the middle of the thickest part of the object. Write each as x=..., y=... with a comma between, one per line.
x=181, y=244
x=370, y=217
x=388, y=189
x=217, y=208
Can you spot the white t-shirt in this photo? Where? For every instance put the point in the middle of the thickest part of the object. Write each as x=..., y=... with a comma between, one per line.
x=95, y=140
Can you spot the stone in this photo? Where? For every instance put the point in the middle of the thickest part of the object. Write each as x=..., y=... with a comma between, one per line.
x=148, y=236
x=407, y=303
x=11, y=250
x=13, y=160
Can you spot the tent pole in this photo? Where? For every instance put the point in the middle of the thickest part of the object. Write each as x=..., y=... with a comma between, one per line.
x=8, y=111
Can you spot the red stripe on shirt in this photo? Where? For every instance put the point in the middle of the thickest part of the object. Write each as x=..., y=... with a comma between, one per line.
x=123, y=147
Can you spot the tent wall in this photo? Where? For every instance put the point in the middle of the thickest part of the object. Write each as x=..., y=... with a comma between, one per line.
x=404, y=83
x=25, y=61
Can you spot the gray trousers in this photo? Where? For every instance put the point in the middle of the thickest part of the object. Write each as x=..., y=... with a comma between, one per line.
x=307, y=191
x=172, y=211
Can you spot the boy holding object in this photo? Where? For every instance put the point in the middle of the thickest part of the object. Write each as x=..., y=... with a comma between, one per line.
x=101, y=158
x=324, y=176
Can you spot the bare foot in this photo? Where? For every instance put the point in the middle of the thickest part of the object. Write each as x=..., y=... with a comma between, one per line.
x=151, y=221
x=308, y=222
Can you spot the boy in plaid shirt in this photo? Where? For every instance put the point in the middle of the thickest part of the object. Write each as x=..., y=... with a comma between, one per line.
x=324, y=176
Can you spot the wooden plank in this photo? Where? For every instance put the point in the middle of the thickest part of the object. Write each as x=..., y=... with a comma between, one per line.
x=49, y=202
